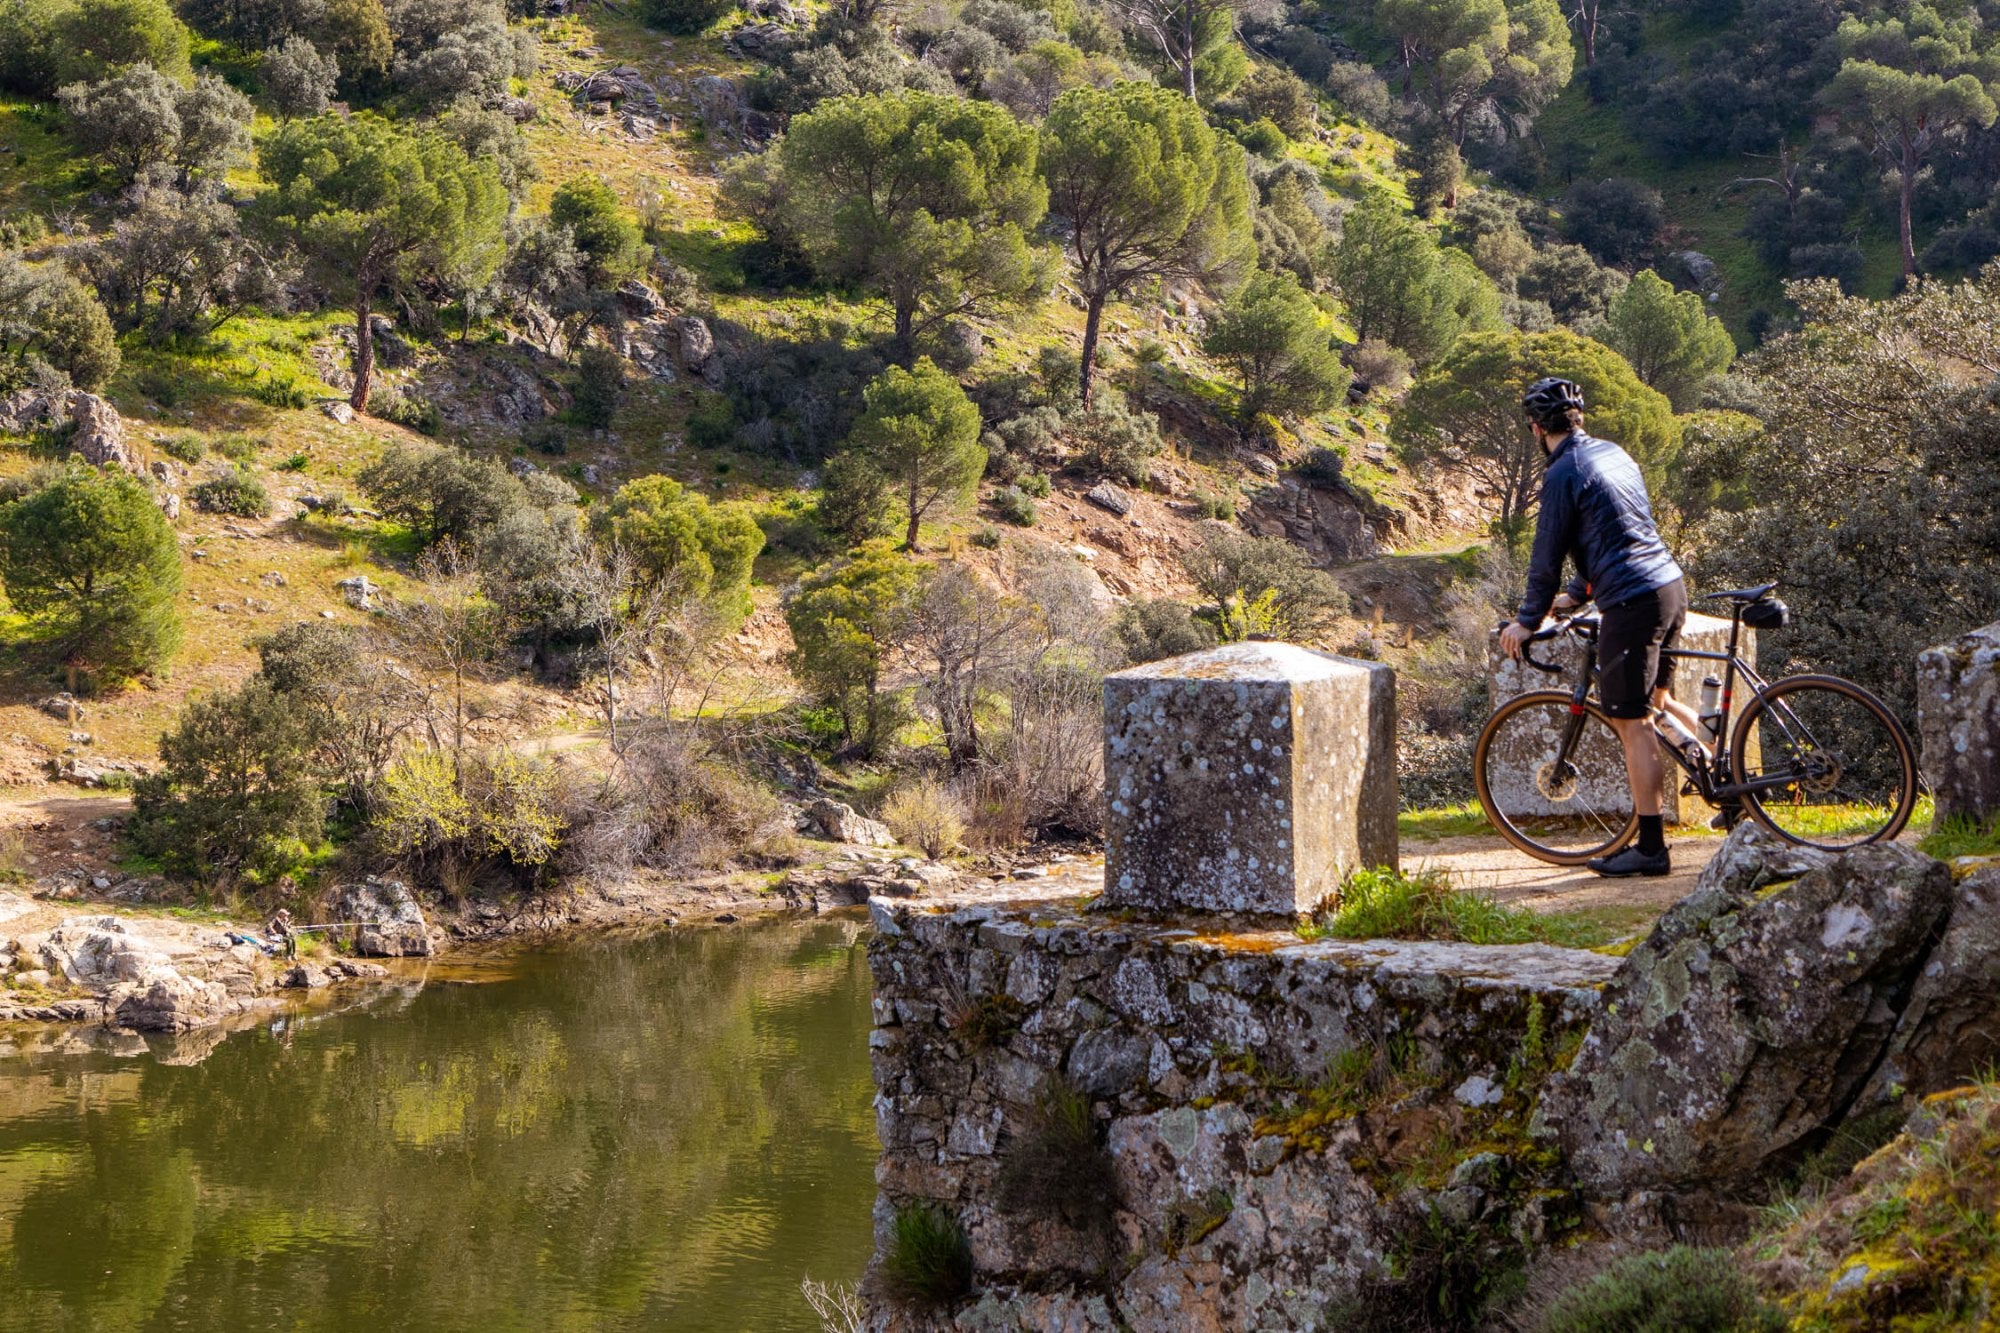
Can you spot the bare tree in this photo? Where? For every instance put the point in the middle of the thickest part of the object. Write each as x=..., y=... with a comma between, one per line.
x=965, y=637
x=450, y=630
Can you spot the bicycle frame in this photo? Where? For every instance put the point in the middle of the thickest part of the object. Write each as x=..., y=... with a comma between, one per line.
x=1705, y=780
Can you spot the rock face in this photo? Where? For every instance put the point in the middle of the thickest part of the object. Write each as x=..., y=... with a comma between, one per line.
x=1750, y=1019
x=1603, y=763
x=139, y=978
x=1249, y=778
x=838, y=822
x=1958, y=717
x=1224, y=1207
x=390, y=923
x=1330, y=524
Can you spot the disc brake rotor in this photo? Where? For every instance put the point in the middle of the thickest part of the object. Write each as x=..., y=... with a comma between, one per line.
x=1556, y=782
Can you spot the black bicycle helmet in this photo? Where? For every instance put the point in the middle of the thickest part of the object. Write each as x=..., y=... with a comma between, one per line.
x=1549, y=400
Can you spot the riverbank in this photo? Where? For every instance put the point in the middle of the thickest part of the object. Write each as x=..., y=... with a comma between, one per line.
x=86, y=943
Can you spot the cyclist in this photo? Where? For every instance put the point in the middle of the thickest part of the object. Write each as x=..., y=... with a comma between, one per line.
x=1595, y=512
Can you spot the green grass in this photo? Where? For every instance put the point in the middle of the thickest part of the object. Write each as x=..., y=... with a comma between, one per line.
x=1961, y=836
x=1464, y=820
x=1386, y=904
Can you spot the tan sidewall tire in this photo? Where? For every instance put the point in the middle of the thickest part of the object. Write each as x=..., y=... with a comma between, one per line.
x=1536, y=698
x=1904, y=751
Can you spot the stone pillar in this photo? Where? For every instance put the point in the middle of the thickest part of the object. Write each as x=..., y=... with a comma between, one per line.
x=1247, y=779
x=1958, y=718
x=1709, y=634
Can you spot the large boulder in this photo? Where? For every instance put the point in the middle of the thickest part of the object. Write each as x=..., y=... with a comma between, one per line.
x=1958, y=716
x=698, y=351
x=1950, y=1028
x=838, y=822
x=169, y=1002
x=387, y=921
x=1750, y=1019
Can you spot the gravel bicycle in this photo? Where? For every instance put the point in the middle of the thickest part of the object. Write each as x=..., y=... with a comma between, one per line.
x=1815, y=759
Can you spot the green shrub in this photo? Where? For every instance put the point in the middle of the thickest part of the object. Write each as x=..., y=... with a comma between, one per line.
x=275, y=390
x=986, y=537
x=235, y=492
x=1681, y=1290
x=296, y=463
x=1113, y=441
x=1210, y=505
x=1035, y=484
x=713, y=424
x=1013, y=505
x=1056, y=1165
x=600, y=387
x=238, y=449
x=186, y=448
x=1323, y=468
x=1263, y=138
x=928, y=1265
x=1161, y=627
x=926, y=815
x=407, y=410
x=546, y=437
x=236, y=792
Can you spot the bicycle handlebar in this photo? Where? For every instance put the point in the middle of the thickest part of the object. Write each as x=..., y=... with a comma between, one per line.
x=1572, y=624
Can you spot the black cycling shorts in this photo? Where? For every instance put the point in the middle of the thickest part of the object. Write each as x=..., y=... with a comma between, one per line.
x=1630, y=638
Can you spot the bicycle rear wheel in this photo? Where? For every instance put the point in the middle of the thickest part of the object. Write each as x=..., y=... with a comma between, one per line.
x=1563, y=812
x=1851, y=770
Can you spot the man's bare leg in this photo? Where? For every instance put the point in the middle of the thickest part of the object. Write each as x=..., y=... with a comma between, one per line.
x=1686, y=716
x=1642, y=762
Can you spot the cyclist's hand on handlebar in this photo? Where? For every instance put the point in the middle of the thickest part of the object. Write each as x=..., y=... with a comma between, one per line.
x=1514, y=638
x=1564, y=602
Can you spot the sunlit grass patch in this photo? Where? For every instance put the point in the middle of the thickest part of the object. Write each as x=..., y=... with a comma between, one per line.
x=1463, y=820
x=1385, y=904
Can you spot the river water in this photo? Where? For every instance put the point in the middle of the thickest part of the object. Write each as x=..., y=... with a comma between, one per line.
x=658, y=1132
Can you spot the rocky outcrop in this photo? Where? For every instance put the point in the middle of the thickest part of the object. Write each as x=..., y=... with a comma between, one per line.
x=95, y=429
x=699, y=355
x=1752, y=1017
x=1330, y=524
x=388, y=923
x=838, y=822
x=1958, y=717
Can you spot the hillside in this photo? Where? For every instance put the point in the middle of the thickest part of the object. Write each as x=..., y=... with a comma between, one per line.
x=835, y=274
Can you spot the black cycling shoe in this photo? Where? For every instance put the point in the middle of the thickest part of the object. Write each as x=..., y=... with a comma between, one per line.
x=1632, y=861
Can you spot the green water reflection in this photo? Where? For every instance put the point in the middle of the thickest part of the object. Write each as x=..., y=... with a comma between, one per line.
x=658, y=1133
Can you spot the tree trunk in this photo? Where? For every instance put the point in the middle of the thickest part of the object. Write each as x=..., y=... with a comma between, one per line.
x=1907, y=189
x=364, y=354
x=1587, y=16
x=1093, y=316
x=906, y=333
x=910, y=533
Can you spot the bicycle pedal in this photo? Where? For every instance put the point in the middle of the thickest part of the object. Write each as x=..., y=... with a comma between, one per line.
x=1689, y=789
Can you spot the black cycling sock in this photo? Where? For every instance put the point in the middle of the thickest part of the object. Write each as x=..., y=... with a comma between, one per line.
x=1652, y=834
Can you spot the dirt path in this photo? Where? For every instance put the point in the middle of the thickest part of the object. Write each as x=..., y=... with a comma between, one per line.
x=1488, y=865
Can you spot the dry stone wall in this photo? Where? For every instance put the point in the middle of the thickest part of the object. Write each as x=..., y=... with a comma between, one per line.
x=1248, y=1188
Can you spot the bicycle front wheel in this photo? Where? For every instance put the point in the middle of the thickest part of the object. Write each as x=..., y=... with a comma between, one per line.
x=1833, y=766
x=1552, y=779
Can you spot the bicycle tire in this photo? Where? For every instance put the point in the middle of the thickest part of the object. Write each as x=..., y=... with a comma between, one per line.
x=1517, y=829
x=1760, y=806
